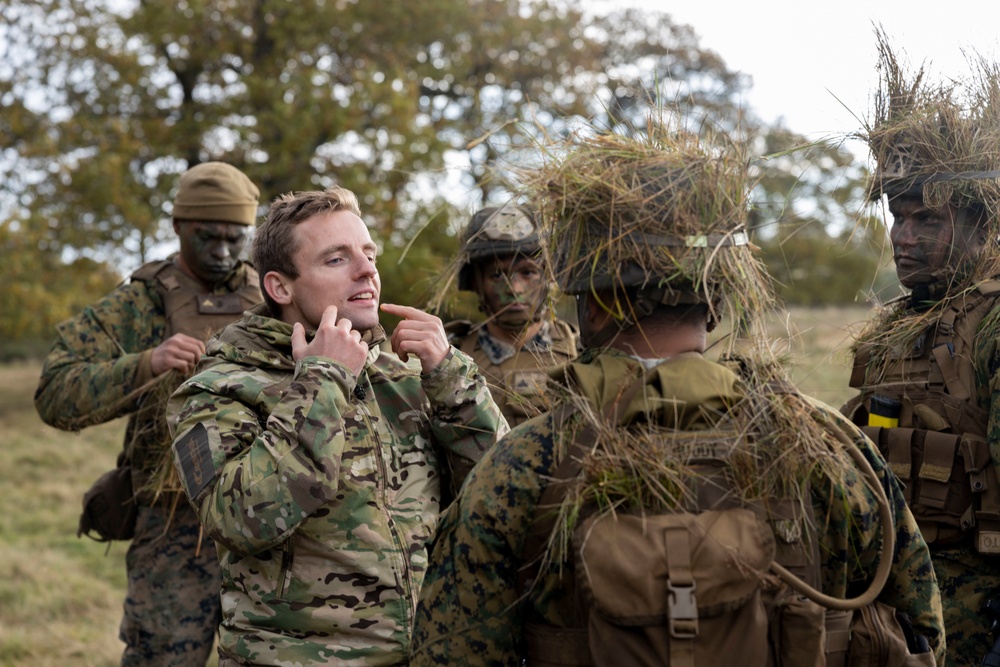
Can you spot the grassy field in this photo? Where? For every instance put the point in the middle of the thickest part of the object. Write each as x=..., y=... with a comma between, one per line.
x=60, y=596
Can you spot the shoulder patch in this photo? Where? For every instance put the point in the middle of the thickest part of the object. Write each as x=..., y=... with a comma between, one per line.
x=194, y=455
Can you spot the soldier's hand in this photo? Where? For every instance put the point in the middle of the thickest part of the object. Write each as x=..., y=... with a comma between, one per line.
x=179, y=352
x=420, y=334
x=335, y=339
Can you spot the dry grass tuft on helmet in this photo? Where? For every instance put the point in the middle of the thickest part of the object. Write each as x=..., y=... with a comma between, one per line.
x=941, y=142
x=938, y=140
x=664, y=210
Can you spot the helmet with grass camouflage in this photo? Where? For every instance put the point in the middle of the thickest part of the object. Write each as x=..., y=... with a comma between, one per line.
x=658, y=219
x=937, y=141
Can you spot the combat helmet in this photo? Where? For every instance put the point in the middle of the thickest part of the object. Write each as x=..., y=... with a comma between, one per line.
x=658, y=217
x=939, y=141
x=496, y=231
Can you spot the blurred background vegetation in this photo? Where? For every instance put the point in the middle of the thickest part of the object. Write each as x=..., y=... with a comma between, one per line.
x=419, y=107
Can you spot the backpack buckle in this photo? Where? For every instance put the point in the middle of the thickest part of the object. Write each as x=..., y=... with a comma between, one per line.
x=682, y=610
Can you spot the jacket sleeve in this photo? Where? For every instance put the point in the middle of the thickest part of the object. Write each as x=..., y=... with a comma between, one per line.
x=252, y=483
x=100, y=359
x=912, y=587
x=465, y=420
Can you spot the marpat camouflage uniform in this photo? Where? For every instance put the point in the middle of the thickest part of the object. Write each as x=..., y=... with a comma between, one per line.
x=967, y=578
x=517, y=378
x=321, y=489
x=469, y=611
x=98, y=359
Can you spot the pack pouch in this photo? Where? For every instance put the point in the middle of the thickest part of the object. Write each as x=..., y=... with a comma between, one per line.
x=675, y=589
x=692, y=589
x=109, y=508
x=880, y=635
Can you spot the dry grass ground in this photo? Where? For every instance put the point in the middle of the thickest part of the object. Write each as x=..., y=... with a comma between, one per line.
x=60, y=596
x=816, y=343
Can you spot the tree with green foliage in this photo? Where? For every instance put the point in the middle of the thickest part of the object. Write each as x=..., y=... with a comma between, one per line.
x=35, y=296
x=105, y=102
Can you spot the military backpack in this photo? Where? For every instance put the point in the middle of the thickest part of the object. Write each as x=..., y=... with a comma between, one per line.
x=734, y=584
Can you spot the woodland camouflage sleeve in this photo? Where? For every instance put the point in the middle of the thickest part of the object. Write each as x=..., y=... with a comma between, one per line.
x=465, y=420
x=912, y=587
x=853, y=553
x=468, y=613
x=986, y=357
x=252, y=486
x=97, y=360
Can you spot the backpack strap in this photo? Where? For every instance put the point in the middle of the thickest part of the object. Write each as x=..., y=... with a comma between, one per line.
x=546, y=511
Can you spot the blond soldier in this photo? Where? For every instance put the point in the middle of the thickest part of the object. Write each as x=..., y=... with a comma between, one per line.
x=315, y=458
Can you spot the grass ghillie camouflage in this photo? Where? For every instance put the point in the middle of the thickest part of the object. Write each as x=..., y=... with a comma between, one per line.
x=667, y=209
x=941, y=141
x=661, y=208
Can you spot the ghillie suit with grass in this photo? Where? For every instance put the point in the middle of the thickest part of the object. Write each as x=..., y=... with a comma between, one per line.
x=735, y=476
x=926, y=362
x=516, y=376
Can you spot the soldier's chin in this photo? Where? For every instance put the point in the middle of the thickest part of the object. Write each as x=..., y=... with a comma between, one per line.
x=914, y=278
x=216, y=276
x=514, y=321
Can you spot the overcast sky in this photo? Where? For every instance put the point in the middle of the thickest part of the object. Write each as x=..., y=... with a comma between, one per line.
x=805, y=56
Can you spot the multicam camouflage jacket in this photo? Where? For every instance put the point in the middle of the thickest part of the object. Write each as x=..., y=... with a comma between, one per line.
x=470, y=610
x=321, y=489
x=99, y=367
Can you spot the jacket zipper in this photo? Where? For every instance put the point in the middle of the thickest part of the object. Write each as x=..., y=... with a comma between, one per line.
x=382, y=501
x=285, y=575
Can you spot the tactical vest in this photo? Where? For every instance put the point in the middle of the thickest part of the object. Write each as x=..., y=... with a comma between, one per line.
x=189, y=309
x=666, y=589
x=926, y=421
x=518, y=385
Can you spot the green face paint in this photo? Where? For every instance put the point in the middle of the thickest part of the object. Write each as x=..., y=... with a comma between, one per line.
x=211, y=250
x=513, y=290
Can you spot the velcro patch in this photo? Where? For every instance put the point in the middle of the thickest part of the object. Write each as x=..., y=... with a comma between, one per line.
x=528, y=383
x=195, y=457
x=220, y=304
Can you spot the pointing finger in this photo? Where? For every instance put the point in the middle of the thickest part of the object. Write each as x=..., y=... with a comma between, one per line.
x=407, y=312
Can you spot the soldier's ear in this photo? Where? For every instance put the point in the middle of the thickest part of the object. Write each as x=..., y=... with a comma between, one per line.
x=278, y=287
